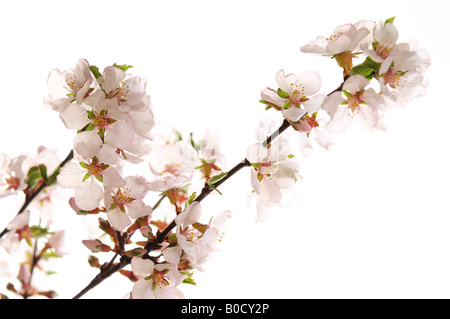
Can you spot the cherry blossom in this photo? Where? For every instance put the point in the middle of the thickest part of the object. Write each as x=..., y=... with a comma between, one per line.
x=12, y=174
x=199, y=242
x=385, y=36
x=18, y=230
x=353, y=104
x=183, y=233
x=341, y=44
x=86, y=175
x=313, y=124
x=293, y=93
x=401, y=75
x=155, y=281
x=126, y=203
x=345, y=38
x=125, y=91
x=69, y=86
x=207, y=243
x=274, y=169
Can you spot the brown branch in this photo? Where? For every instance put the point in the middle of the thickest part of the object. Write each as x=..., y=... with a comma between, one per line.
x=125, y=260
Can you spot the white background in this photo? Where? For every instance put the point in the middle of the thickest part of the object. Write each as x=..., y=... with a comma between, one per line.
x=371, y=216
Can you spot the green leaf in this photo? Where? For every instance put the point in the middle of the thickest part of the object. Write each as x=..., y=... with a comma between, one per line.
x=33, y=176
x=50, y=254
x=347, y=94
x=86, y=176
x=189, y=281
x=43, y=172
x=200, y=227
x=212, y=187
x=52, y=178
x=99, y=178
x=95, y=71
x=123, y=67
x=33, y=170
x=282, y=94
x=89, y=127
x=173, y=240
x=84, y=165
x=39, y=231
x=197, y=147
x=191, y=199
x=136, y=252
x=390, y=20
x=287, y=105
x=217, y=178
x=179, y=135
x=369, y=68
x=91, y=114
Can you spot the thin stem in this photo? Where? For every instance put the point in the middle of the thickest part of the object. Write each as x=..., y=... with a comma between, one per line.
x=34, y=262
x=30, y=197
x=280, y=130
x=125, y=260
x=339, y=88
x=158, y=202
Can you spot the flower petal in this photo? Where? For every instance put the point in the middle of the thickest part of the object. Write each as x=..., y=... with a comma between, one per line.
x=118, y=219
x=70, y=175
x=88, y=195
x=142, y=267
x=142, y=289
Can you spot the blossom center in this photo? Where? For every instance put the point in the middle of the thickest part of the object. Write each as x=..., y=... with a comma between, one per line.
x=100, y=120
x=381, y=50
x=354, y=103
x=122, y=197
x=311, y=120
x=193, y=235
x=160, y=279
x=72, y=83
x=120, y=92
x=334, y=37
x=173, y=169
x=12, y=183
x=297, y=94
x=95, y=168
x=265, y=170
x=392, y=78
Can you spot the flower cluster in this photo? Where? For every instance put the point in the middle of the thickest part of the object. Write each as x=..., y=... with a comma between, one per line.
x=112, y=116
x=31, y=236
x=391, y=75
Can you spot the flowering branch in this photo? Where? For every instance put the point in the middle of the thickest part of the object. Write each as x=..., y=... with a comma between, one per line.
x=207, y=189
x=125, y=260
x=32, y=194
x=112, y=115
